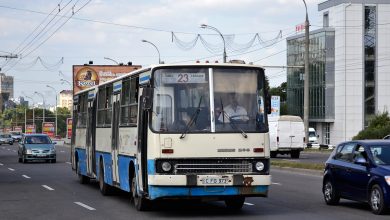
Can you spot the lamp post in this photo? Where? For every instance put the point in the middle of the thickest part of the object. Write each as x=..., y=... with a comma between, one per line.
x=306, y=78
x=44, y=105
x=107, y=58
x=55, y=92
x=159, y=58
x=223, y=39
x=32, y=108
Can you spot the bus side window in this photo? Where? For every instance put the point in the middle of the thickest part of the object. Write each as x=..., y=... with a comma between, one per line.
x=129, y=104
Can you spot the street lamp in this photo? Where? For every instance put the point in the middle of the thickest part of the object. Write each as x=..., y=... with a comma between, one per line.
x=159, y=58
x=306, y=82
x=204, y=26
x=65, y=81
x=107, y=58
x=33, y=108
x=44, y=105
x=55, y=92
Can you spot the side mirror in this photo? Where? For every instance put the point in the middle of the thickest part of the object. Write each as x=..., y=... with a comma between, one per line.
x=147, y=98
x=361, y=161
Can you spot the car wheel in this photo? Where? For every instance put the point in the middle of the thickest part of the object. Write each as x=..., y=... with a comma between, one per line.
x=19, y=159
x=105, y=189
x=11, y=143
x=140, y=202
x=295, y=154
x=273, y=154
x=235, y=203
x=376, y=200
x=330, y=195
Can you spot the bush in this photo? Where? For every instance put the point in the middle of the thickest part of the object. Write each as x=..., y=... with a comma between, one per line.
x=378, y=127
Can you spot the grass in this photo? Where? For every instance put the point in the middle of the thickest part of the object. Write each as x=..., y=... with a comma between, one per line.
x=310, y=166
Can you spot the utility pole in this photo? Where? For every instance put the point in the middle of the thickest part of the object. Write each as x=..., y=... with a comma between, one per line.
x=306, y=82
x=12, y=56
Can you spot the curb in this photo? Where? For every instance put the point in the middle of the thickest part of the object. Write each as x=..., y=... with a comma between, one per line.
x=299, y=170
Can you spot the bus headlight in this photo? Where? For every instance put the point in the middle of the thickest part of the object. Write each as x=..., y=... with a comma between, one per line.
x=166, y=166
x=259, y=166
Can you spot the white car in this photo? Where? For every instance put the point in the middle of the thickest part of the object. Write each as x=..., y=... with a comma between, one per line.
x=387, y=137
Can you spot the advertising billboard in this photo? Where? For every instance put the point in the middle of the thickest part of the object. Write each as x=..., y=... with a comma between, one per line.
x=69, y=122
x=7, y=130
x=30, y=129
x=86, y=76
x=275, y=106
x=18, y=128
x=48, y=128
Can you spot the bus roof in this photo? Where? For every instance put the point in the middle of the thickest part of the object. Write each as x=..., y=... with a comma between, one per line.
x=139, y=71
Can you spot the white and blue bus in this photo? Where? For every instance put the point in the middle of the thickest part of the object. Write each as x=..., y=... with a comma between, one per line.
x=176, y=132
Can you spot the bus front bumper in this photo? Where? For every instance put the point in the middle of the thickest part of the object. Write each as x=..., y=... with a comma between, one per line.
x=192, y=186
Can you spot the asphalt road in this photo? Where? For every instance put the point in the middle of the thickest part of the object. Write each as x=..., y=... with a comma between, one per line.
x=306, y=157
x=51, y=191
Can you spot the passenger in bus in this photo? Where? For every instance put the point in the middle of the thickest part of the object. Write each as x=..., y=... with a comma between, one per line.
x=233, y=111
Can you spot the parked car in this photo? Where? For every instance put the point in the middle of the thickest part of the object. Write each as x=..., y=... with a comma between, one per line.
x=16, y=135
x=360, y=171
x=36, y=147
x=6, y=139
x=387, y=137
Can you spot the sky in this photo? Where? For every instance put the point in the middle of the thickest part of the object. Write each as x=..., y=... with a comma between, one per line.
x=48, y=45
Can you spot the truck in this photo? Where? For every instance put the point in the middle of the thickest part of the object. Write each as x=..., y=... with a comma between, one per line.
x=287, y=135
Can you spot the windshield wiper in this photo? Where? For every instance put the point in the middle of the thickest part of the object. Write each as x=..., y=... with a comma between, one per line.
x=234, y=125
x=194, y=117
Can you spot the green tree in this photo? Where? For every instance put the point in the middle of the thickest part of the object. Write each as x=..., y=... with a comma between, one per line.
x=378, y=127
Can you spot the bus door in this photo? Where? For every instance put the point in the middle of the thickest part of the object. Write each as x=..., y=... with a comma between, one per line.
x=115, y=135
x=90, y=133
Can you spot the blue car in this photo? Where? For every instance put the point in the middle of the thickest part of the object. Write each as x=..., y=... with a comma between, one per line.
x=34, y=147
x=360, y=171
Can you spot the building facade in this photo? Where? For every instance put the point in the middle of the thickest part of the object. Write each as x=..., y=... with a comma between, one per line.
x=6, y=90
x=66, y=99
x=361, y=68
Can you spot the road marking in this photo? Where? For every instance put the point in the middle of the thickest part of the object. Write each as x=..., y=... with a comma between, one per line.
x=68, y=163
x=247, y=203
x=11, y=169
x=85, y=206
x=47, y=187
x=8, y=149
x=1, y=164
x=62, y=151
x=14, y=151
x=279, y=184
x=25, y=176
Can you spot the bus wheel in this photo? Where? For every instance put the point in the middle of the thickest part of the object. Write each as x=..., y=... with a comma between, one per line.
x=140, y=203
x=235, y=203
x=82, y=179
x=105, y=189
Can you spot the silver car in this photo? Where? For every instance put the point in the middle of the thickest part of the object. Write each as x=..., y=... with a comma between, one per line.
x=36, y=147
x=6, y=139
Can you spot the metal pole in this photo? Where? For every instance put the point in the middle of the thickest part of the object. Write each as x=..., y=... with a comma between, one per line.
x=220, y=34
x=306, y=82
x=25, y=119
x=33, y=108
x=159, y=58
x=55, y=92
x=44, y=105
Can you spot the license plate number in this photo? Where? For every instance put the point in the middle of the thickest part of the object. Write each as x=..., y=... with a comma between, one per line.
x=215, y=181
x=41, y=155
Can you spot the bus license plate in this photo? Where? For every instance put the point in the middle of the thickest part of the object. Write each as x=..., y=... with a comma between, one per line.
x=215, y=181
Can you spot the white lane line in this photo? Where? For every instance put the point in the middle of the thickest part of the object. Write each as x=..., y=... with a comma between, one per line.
x=11, y=169
x=1, y=164
x=8, y=149
x=14, y=151
x=85, y=206
x=247, y=203
x=62, y=151
x=279, y=184
x=68, y=163
x=48, y=187
x=25, y=176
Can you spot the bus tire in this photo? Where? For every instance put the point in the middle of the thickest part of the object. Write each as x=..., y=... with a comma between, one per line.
x=235, y=203
x=105, y=189
x=140, y=203
x=82, y=179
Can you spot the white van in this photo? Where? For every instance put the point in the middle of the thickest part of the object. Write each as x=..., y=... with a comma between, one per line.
x=313, y=137
x=287, y=135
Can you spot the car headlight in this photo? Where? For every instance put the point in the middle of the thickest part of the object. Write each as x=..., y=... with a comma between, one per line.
x=259, y=166
x=53, y=150
x=387, y=178
x=166, y=166
x=28, y=151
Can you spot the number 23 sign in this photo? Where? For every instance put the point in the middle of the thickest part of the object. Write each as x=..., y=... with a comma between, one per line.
x=184, y=78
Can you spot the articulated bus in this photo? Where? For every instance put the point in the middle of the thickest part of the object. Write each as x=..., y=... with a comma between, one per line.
x=195, y=131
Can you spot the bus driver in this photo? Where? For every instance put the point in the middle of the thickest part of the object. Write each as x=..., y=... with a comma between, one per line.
x=233, y=111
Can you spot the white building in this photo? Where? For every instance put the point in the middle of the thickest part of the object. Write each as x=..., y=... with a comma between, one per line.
x=359, y=79
x=66, y=99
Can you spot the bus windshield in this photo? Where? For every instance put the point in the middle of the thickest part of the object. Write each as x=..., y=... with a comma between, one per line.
x=203, y=100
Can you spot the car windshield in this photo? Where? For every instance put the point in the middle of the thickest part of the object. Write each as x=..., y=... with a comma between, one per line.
x=15, y=133
x=38, y=140
x=381, y=154
x=312, y=134
x=5, y=136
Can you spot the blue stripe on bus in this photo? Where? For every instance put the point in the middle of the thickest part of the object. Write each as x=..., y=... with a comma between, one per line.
x=82, y=163
x=107, y=163
x=123, y=170
x=151, y=167
x=156, y=192
x=144, y=79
